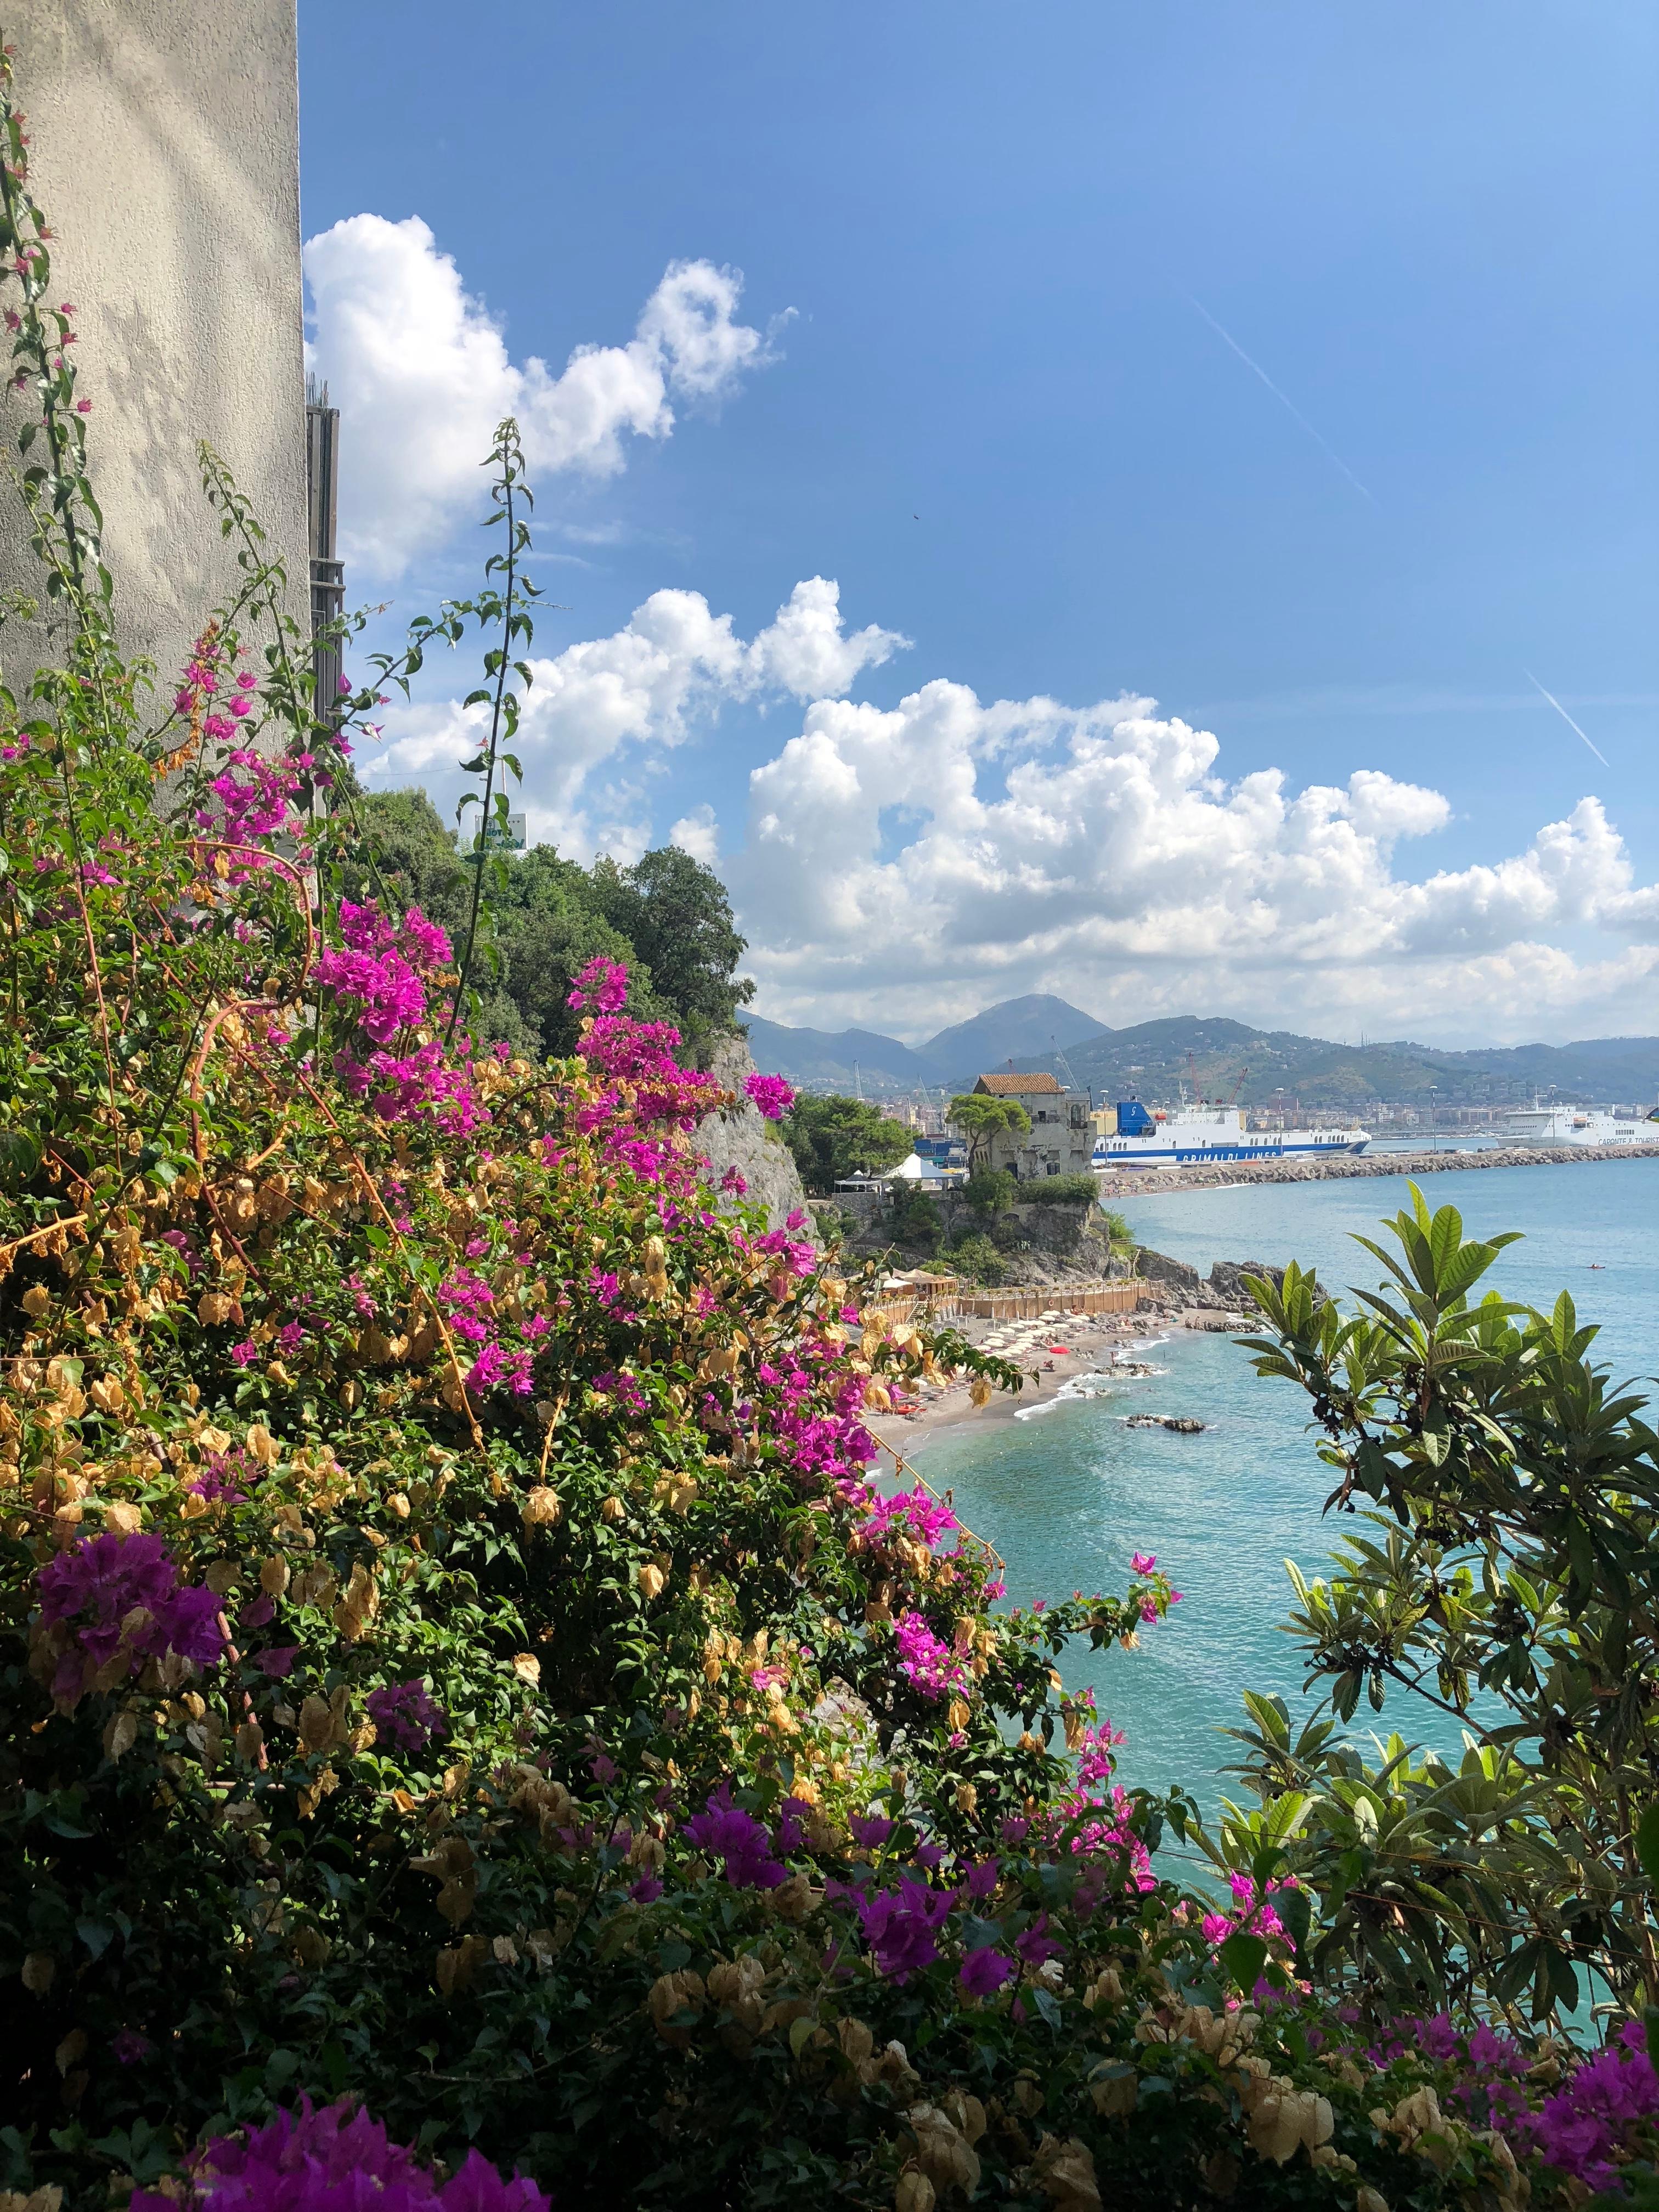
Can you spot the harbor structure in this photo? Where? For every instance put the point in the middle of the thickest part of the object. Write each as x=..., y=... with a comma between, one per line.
x=1061, y=1139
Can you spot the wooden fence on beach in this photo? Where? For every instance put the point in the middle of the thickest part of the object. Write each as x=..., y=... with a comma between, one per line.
x=961, y=1301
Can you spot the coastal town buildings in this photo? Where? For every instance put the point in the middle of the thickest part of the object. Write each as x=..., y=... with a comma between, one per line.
x=1061, y=1139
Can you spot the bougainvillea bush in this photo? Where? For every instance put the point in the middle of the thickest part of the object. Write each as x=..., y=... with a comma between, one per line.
x=479, y=1720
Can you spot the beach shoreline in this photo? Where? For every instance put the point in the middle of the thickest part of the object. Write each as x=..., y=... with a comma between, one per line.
x=1091, y=1343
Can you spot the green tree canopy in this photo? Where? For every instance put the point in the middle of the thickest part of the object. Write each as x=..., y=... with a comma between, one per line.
x=834, y=1136
x=668, y=917
x=980, y=1117
x=676, y=914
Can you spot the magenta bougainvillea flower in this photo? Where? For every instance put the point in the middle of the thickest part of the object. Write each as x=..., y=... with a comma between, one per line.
x=601, y=987
x=338, y=2160
x=403, y=1714
x=727, y=1833
x=121, y=1602
x=771, y=1096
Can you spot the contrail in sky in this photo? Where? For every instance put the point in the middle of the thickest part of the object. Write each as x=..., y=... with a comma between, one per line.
x=1256, y=367
x=1565, y=717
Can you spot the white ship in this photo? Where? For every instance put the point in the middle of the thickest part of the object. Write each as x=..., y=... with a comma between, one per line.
x=1576, y=1125
x=1192, y=1134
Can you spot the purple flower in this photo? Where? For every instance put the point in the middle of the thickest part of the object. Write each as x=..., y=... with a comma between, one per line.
x=912, y=1513
x=772, y=1097
x=289, y=1337
x=1037, y=1946
x=899, y=1926
x=256, y=1614
x=647, y=1890
x=219, y=1482
x=1592, y=2114
x=602, y=987
x=127, y=2046
x=405, y=1714
x=190, y=1622
x=982, y=1881
x=791, y=1814
x=278, y=1662
x=869, y=1833
x=924, y=1659
x=339, y=2160
x=246, y=1353
x=984, y=1972
x=728, y=1832
x=121, y=1593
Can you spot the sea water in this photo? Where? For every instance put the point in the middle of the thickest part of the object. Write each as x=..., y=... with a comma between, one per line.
x=1066, y=1491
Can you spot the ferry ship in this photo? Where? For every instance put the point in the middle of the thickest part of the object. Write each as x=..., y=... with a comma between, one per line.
x=1576, y=1125
x=1192, y=1134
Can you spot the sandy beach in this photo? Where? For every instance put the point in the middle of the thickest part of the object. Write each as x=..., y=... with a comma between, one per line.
x=1049, y=1351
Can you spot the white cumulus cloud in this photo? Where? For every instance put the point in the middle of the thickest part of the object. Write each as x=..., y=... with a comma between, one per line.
x=599, y=714
x=421, y=375
x=903, y=867
x=909, y=865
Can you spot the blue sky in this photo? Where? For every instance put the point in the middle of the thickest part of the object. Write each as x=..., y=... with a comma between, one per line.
x=1001, y=418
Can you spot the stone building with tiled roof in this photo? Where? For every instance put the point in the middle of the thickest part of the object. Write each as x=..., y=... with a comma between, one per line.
x=1062, y=1138
x=1019, y=1086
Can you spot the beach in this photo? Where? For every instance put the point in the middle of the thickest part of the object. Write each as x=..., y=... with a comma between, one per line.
x=1051, y=1352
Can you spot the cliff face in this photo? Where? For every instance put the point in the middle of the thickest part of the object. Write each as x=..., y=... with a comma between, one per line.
x=743, y=1140
x=1039, y=1244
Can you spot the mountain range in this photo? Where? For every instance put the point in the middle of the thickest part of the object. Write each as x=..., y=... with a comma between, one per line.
x=1220, y=1058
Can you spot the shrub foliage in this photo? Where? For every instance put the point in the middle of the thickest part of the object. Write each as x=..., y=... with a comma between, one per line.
x=453, y=1655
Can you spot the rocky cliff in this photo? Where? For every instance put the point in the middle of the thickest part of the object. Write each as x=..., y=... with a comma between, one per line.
x=741, y=1140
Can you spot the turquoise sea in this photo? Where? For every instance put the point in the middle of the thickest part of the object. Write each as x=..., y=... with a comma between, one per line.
x=1066, y=1492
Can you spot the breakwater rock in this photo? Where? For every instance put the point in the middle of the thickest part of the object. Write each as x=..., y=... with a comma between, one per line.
x=1174, y=1285
x=1125, y=1181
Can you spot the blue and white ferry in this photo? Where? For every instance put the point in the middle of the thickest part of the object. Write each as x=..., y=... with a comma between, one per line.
x=1192, y=1134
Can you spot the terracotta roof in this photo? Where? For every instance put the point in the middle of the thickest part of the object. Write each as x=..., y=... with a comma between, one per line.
x=1017, y=1086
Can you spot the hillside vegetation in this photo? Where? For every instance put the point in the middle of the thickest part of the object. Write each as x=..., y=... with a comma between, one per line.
x=1154, y=1059
x=459, y=1677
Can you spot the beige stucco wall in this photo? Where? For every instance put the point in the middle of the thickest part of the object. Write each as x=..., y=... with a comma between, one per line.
x=165, y=156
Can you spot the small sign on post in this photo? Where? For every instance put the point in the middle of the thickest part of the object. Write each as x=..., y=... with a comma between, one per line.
x=497, y=839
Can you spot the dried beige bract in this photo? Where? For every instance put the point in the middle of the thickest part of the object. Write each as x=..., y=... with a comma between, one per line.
x=671, y=1993
x=1064, y=2170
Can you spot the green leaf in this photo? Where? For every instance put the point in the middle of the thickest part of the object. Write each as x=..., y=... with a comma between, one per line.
x=1647, y=1843
x=1242, y=1957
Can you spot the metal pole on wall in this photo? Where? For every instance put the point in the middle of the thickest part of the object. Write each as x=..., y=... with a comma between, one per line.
x=327, y=574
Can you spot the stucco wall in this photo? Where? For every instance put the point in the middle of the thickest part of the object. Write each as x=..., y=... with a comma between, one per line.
x=165, y=156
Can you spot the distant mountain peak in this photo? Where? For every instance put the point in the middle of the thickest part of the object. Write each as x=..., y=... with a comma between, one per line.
x=1019, y=1029
x=1265, y=1069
